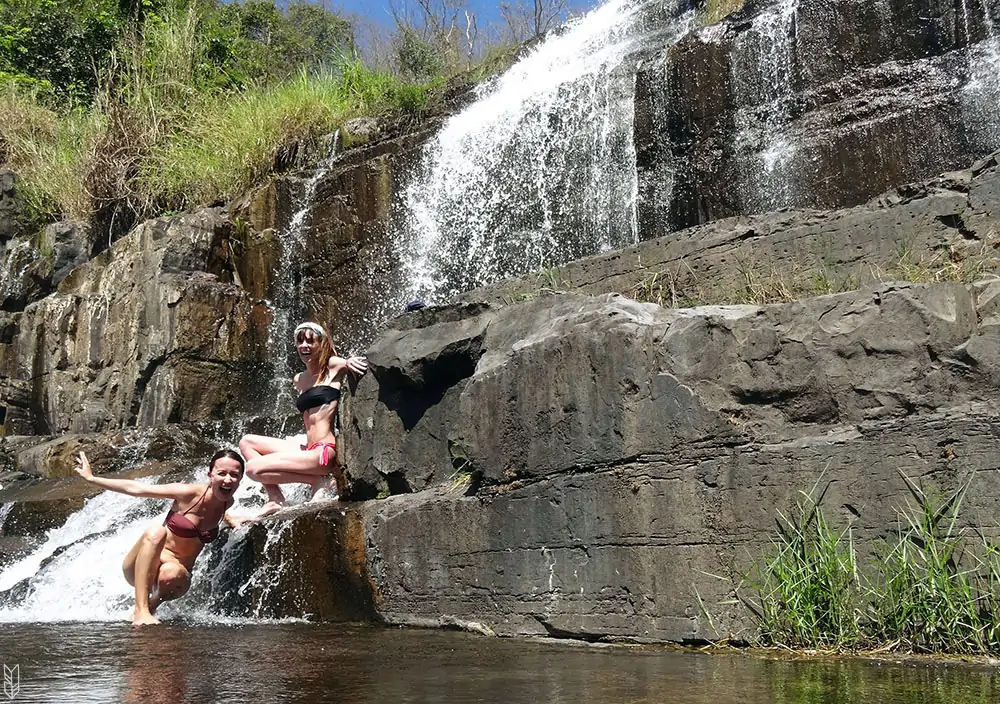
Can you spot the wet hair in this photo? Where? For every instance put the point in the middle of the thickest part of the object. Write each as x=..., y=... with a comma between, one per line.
x=326, y=348
x=231, y=454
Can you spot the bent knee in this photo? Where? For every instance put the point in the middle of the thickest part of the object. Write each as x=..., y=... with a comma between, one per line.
x=155, y=534
x=253, y=469
x=173, y=580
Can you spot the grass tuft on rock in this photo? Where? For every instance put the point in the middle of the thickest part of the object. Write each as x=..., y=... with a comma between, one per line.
x=931, y=588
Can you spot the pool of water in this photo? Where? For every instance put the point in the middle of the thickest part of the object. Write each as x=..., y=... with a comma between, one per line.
x=303, y=662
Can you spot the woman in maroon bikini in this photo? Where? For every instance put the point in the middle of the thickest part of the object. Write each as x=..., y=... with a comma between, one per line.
x=273, y=461
x=159, y=565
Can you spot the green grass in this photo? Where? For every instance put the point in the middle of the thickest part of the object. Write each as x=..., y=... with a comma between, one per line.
x=49, y=151
x=158, y=138
x=229, y=143
x=808, y=585
x=933, y=587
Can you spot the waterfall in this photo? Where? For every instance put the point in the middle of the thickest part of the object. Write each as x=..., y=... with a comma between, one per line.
x=538, y=170
x=982, y=91
x=76, y=575
x=286, y=304
x=762, y=68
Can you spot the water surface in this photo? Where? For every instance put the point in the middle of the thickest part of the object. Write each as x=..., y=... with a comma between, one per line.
x=301, y=662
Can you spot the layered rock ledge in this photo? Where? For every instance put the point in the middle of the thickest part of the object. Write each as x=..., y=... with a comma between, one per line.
x=588, y=467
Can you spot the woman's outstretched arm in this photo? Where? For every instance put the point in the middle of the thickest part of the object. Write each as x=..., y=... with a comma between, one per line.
x=177, y=490
x=339, y=366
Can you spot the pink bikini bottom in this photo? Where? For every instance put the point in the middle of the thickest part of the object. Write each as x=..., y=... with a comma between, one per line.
x=328, y=453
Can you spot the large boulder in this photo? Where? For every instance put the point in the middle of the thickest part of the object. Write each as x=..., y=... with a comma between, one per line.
x=579, y=466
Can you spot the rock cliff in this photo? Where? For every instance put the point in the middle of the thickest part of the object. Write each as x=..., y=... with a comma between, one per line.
x=813, y=103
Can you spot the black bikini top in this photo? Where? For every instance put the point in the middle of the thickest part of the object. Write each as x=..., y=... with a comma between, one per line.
x=316, y=396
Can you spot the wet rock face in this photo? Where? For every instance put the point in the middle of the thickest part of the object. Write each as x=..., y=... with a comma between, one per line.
x=11, y=208
x=598, y=457
x=343, y=240
x=152, y=331
x=812, y=104
x=304, y=563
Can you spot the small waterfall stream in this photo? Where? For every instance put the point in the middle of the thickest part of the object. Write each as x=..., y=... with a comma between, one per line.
x=982, y=92
x=83, y=558
x=762, y=67
x=286, y=303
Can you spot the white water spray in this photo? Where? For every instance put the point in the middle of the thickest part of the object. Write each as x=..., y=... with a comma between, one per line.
x=76, y=573
x=539, y=170
x=763, y=60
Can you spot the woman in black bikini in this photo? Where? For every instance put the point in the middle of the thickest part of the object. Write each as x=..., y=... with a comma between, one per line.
x=159, y=565
x=273, y=461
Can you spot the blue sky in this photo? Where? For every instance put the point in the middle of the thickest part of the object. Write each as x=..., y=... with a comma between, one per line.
x=378, y=10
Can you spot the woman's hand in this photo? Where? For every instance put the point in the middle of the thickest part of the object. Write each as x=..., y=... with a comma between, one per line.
x=82, y=466
x=357, y=365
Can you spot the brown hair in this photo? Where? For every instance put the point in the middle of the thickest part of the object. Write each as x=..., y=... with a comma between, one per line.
x=231, y=454
x=326, y=351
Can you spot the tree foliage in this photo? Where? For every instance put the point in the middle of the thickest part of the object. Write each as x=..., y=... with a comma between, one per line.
x=66, y=45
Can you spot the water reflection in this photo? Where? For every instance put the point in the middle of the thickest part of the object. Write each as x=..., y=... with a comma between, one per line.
x=349, y=664
x=156, y=667
x=837, y=682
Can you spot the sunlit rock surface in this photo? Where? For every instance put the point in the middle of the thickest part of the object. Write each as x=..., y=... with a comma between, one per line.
x=152, y=331
x=581, y=466
x=813, y=103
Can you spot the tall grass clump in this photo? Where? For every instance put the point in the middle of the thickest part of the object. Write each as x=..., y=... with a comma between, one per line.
x=189, y=109
x=926, y=596
x=807, y=586
x=933, y=587
x=51, y=152
x=229, y=142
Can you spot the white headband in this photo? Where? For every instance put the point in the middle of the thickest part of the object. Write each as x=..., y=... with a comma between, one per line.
x=316, y=329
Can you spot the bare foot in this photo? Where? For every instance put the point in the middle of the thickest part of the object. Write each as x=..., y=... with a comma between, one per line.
x=269, y=508
x=145, y=620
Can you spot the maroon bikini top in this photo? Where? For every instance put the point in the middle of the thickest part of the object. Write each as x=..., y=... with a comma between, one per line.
x=180, y=525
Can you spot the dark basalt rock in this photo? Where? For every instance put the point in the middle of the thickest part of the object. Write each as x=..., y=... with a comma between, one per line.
x=825, y=108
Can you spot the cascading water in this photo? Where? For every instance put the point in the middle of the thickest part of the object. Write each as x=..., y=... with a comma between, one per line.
x=762, y=65
x=286, y=303
x=84, y=557
x=982, y=92
x=539, y=170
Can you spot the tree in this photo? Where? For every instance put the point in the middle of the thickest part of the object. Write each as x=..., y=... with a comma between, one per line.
x=446, y=33
x=530, y=19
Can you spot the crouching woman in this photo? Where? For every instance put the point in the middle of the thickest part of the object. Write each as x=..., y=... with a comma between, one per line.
x=159, y=565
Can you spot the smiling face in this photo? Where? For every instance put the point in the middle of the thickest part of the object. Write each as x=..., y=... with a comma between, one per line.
x=307, y=344
x=224, y=476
